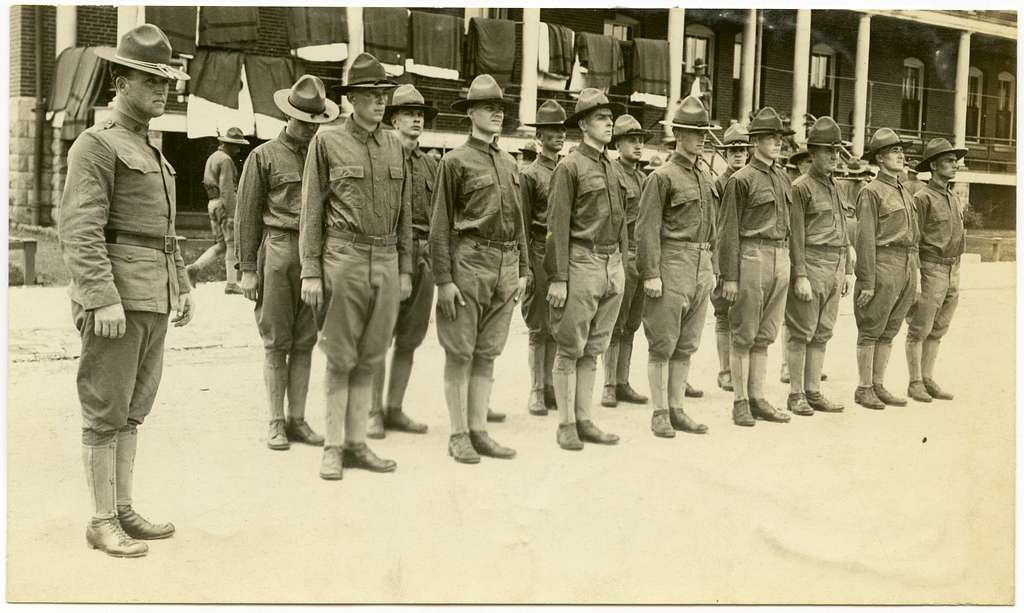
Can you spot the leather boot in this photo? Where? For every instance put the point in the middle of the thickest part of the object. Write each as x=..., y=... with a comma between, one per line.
x=917, y=391
x=762, y=409
x=935, y=391
x=299, y=365
x=495, y=417
x=564, y=379
x=297, y=430
x=107, y=536
x=741, y=415
x=611, y=364
x=133, y=524
x=609, y=397
x=684, y=423
x=725, y=380
x=882, y=352
x=359, y=455
x=549, y=398
x=331, y=464
x=723, y=341
x=277, y=439
x=568, y=438
x=624, y=392
x=487, y=446
x=590, y=433
x=888, y=397
x=461, y=449
x=660, y=424
x=275, y=380
x=678, y=373
x=138, y=527
x=819, y=402
x=375, y=425
x=865, y=397
x=797, y=405
x=397, y=419
x=692, y=392
x=535, y=355
x=550, y=349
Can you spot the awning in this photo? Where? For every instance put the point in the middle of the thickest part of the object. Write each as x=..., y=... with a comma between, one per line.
x=78, y=81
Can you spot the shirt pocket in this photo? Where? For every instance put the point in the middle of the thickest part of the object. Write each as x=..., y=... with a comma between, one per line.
x=591, y=200
x=285, y=190
x=477, y=191
x=139, y=272
x=759, y=213
x=348, y=185
x=684, y=211
x=892, y=220
x=137, y=162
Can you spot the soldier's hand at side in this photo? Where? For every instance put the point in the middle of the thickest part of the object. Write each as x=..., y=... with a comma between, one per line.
x=802, y=289
x=557, y=292
x=847, y=284
x=313, y=292
x=184, y=310
x=652, y=287
x=730, y=289
x=404, y=286
x=248, y=285
x=917, y=296
x=448, y=295
x=864, y=297
x=110, y=321
x=521, y=289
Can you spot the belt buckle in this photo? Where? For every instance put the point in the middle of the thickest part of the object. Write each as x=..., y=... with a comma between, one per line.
x=170, y=244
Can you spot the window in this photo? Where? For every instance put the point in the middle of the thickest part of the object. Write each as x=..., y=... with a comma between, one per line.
x=821, y=83
x=975, y=87
x=501, y=13
x=620, y=28
x=913, y=94
x=698, y=43
x=1005, y=116
x=737, y=57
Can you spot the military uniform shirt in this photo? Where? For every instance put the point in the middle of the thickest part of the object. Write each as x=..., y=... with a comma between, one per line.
x=816, y=218
x=536, y=180
x=634, y=181
x=885, y=212
x=424, y=174
x=941, y=221
x=755, y=205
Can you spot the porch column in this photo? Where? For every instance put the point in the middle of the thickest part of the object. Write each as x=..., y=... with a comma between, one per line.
x=801, y=73
x=747, y=67
x=354, y=19
x=129, y=17
x=67, y=27
x=676, y=38
x=963, y=71
x=528, y=82
x=860, y=86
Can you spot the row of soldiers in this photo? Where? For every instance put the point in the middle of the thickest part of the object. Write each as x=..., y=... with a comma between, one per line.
x=344, y=234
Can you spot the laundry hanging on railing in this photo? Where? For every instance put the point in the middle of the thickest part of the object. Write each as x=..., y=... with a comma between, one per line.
x=386, y=36
x=554, y=45
x=435, y=45
x=598, y=62
x=78, y=81
x=318, y=33
x=650, y=68
x=178, y=23
x=490, y=49
x=230, y=26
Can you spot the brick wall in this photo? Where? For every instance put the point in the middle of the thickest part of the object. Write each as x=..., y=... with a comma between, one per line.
x=97, y=25
x=22, y=48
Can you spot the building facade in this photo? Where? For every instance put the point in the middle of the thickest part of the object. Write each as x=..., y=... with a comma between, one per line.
x=923, y=73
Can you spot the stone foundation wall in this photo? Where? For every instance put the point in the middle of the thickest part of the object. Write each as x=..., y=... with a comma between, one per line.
x=22, y=170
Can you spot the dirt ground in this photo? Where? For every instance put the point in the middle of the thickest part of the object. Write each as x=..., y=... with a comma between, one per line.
x=906, y=505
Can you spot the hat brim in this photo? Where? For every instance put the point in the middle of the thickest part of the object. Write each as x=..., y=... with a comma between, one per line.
x=236, y=141
x=923, y=165
x=735, y=146
x=783, y=131
x=614, y=107
x=331, y=110
x=709, y=127
x=842, y=143
x=869, y=153
x=162, y=70
x=640, y=133
x=383, y=84
x=462, y=104
x=546, y=124
x=429, y=112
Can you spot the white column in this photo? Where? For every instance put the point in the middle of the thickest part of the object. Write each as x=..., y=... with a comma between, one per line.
x=676, y=39
x=801, y=73
x=860, y=86
x=963, y=71
x=354, y=21
x=67, y=27
x=129, y=17
x=528, y=83
x=747, y=67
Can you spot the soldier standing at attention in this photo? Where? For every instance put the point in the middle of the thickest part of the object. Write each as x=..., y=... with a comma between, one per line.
x=355, y=245
x=628, y=139
x=587, y=237
x=408, y=113
x=886, y=268
x=535, y=182
x=118, y=241
x=675, y=235
x=821, y=270
x=753, y=256
x=478, y=248
x=736, y=143
x=220, y=178
x=267, y=224
x=940, y=217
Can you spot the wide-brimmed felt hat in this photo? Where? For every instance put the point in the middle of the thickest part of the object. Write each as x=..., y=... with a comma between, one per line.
x=883, y=138
x=825, y=132
x=483, y=89
x=735, y=137
x=307, y=101
x=856, y=168
x=626, y=125
x=144, y=48
x=550, y=114
x=767, y=121
x=409, y=98
x=366, y=72
x=590, y=100
x=233, y=135
x=690, y=114
x=797, y=156
x=654, y=162
x=935, y=148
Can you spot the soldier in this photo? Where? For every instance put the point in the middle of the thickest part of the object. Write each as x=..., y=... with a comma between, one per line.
x=675, y=234
x=528, y=153
x=798, y=164
x=408, y=113
x=886, y=268
x=628, y=139
x=535, y=182
x=821, y=270
x=220, y=178
x=753, y=257
x=355, y=245
x=940, y=218
x=587, y=238
x=736, y=143
x=478, y=249
x=913, y=183
x=267, y=228
x=118, y=241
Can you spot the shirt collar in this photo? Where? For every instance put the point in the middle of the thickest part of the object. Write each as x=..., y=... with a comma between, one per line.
x=361, y=134
x=415, y=152
x=678, y=158
x=629, y=167
x=889, y=180
x=546, y=162
x=821, y=177
x=291, y=142
x=590, y=152
x=481, y=145
x=935, y=186
x=121, y=117
x=758, y=164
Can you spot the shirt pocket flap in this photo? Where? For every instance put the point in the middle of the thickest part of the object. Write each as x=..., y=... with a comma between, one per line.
x=170, y=169
x=939, y=211
x=685, y=196
x=138, y=162
x=762, y=197
x=592, y=184
x=820, y=205
x=281, y=178
x=346, y=172
x=479, y=182
x=396, y=172
x=889, y=206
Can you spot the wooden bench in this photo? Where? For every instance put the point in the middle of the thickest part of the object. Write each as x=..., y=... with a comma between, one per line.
x=28, y=247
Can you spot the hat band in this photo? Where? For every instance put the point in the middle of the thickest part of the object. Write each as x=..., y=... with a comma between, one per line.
x=164, y=69
x=314, y=109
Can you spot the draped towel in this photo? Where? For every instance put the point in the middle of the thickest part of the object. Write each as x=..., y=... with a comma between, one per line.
x=178, y=23
x=228, y=25
x=490, y=49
